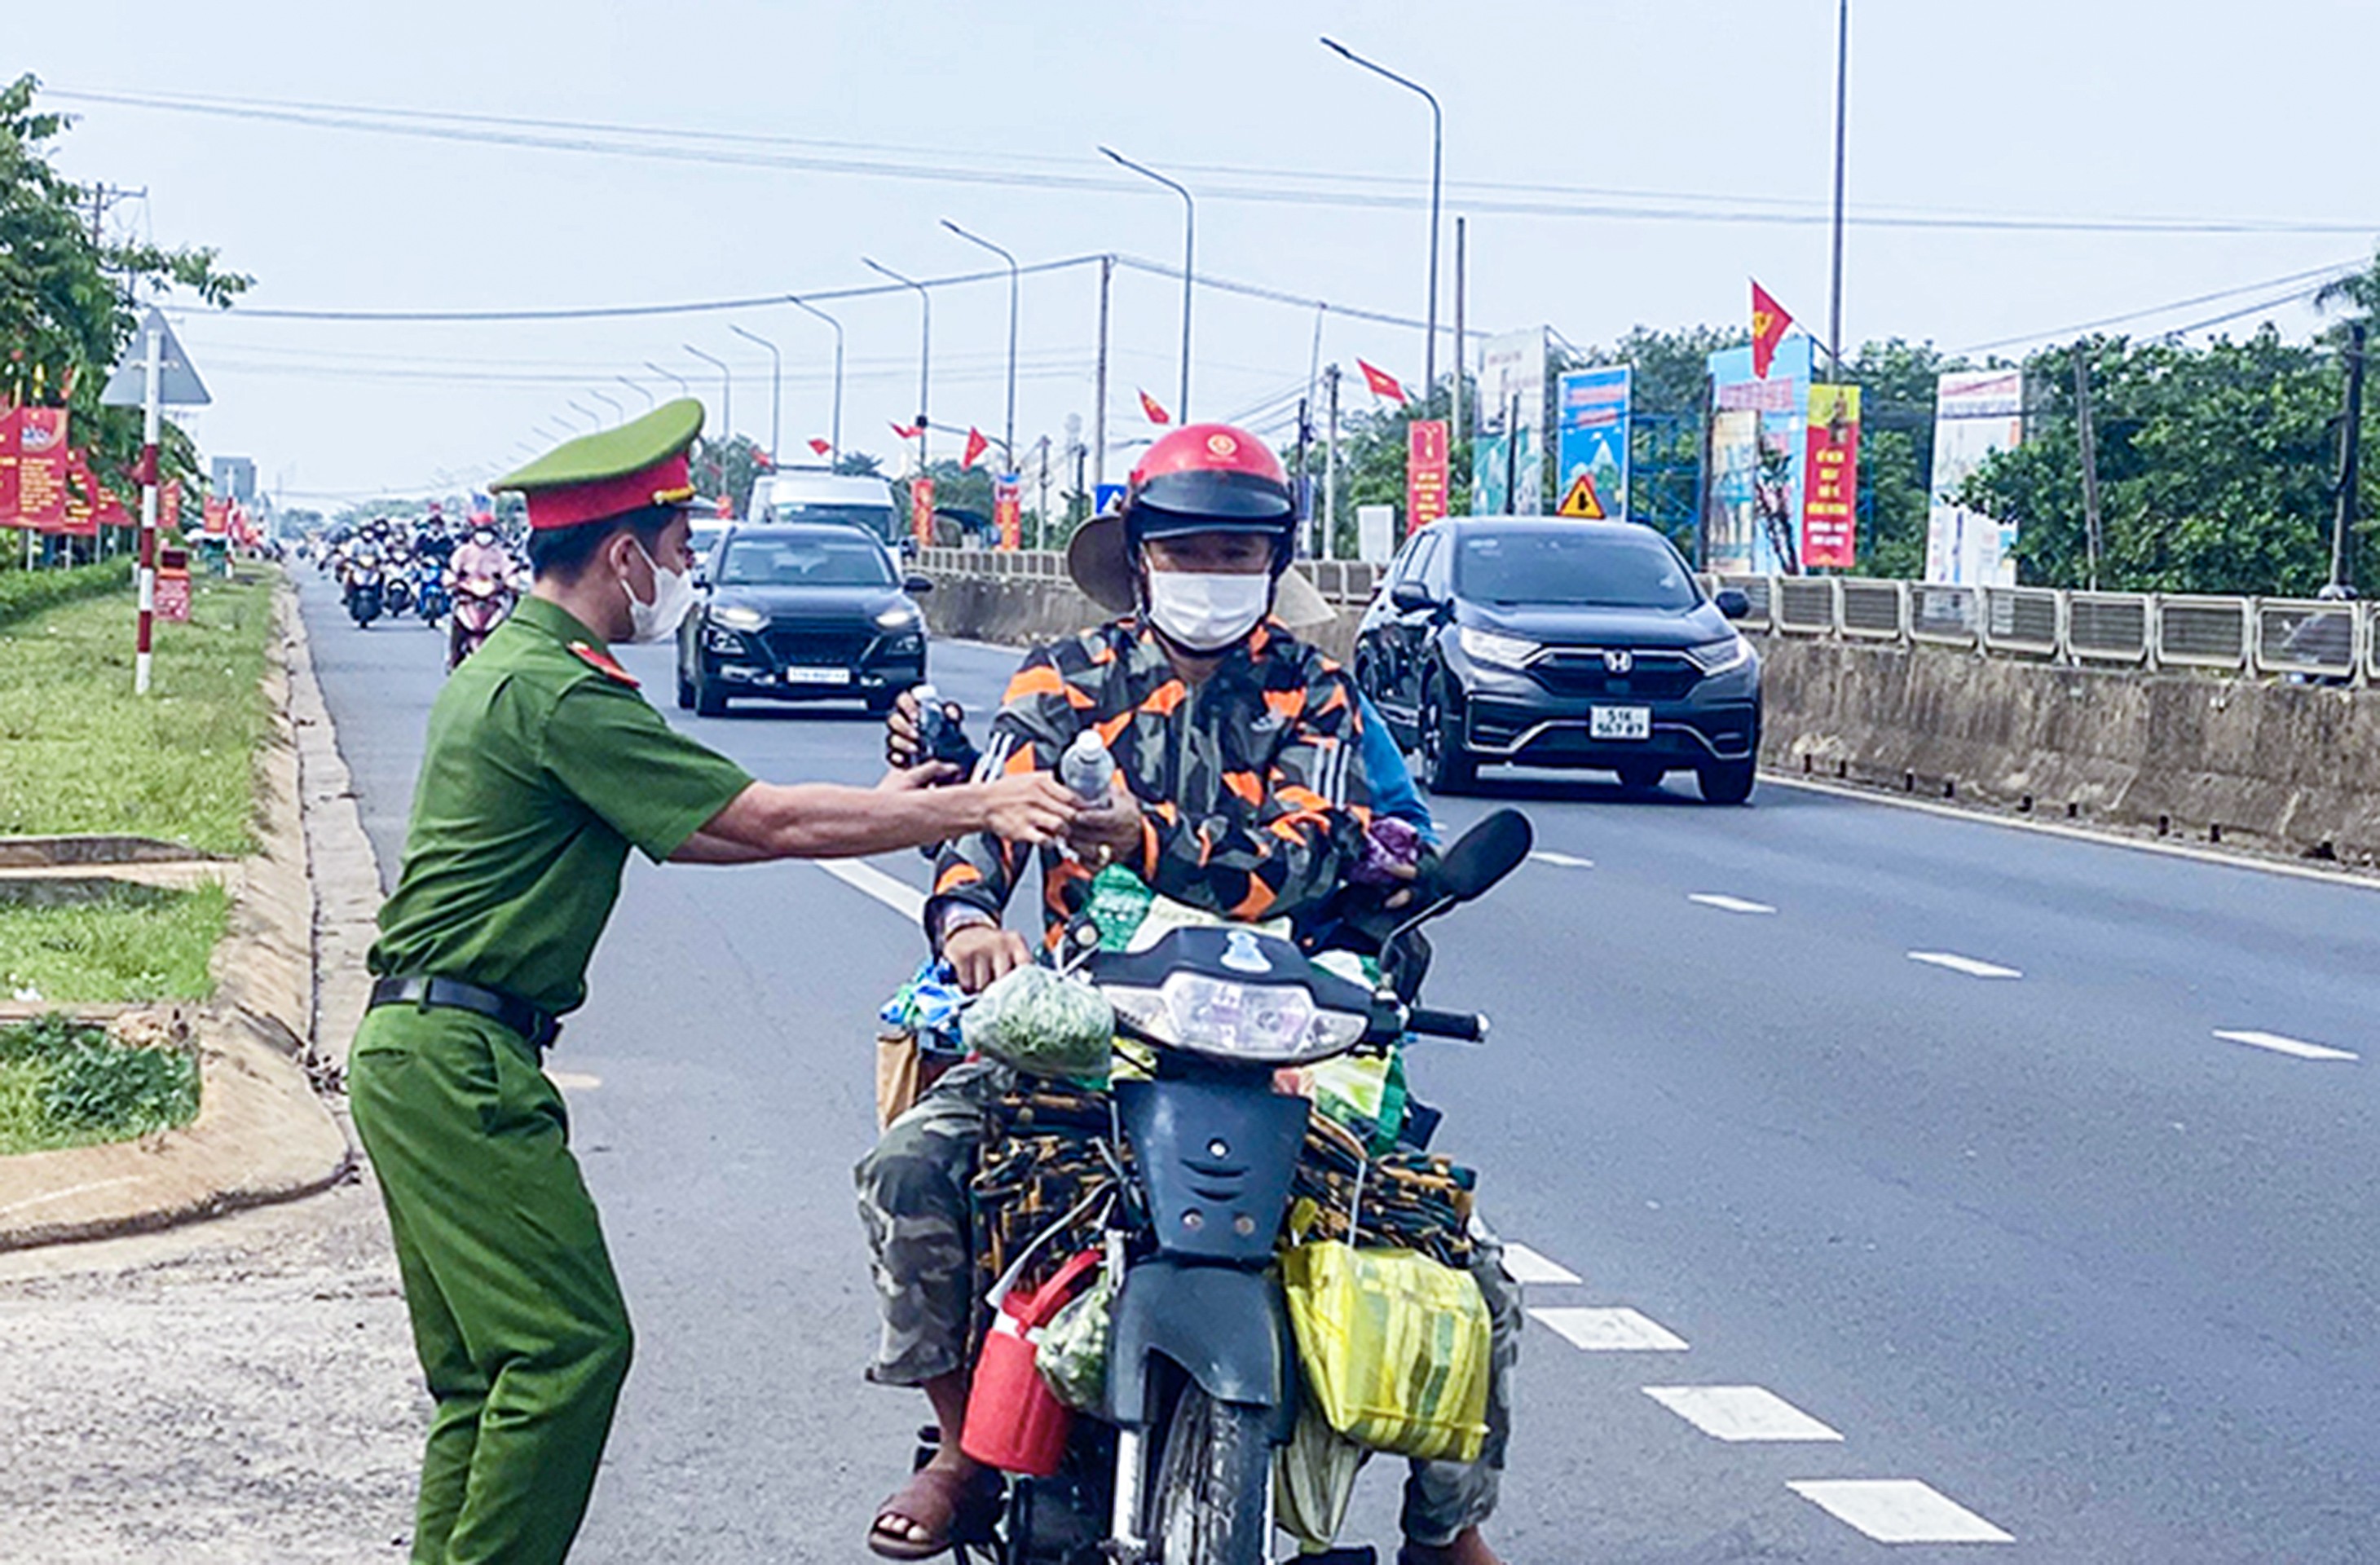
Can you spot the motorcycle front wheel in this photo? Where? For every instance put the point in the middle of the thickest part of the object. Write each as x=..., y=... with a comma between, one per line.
x=1208, y=1506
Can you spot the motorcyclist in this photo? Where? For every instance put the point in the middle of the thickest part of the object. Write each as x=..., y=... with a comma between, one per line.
x=481, y=556
x=2325, y=638
x=1244, y=792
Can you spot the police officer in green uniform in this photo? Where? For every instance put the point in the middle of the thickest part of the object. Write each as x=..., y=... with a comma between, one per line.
x=543, y=768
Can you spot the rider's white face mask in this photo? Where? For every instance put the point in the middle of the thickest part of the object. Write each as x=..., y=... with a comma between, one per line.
x=674, y=597
x=1206, y=612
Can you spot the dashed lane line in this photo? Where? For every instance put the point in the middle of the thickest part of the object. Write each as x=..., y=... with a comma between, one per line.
x=2296, y=1047
x=1728, y=904
x=1562, y=860
x=1527, y=1267
x=1967, y=964
x=898, y=895
x=1740, y=1414
x=1609, y=1331
x=1897, y=1510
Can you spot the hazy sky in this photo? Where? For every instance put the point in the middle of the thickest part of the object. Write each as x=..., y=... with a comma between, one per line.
x=1654, y=127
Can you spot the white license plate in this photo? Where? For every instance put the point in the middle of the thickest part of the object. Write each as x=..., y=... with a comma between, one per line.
x=817, y=676
x=1620, y=722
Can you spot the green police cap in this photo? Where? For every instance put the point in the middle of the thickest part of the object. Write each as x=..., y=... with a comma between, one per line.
x=643, y=463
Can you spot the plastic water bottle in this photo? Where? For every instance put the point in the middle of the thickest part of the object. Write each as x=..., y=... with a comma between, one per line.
x=941, y=737
x=1087, y=769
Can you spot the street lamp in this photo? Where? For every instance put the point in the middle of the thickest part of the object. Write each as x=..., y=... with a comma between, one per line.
x=925, y=345
x=682, y=389
x=981, y=243
x=594, y=420
x=726, y=390
x=1436, y=165
x=834, y=433
x=1189, y=231
x=776, y=385
x=619, y=414
x=649, y=401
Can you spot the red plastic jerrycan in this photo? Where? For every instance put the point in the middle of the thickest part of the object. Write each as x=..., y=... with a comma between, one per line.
x=1014, y=1422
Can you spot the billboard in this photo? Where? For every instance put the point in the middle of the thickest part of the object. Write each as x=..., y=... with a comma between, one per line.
x=1592, y=408
x=1508, y=465
x=1976, y=412
x=1426, y=470
x=1751, y=515
x=1831, y=507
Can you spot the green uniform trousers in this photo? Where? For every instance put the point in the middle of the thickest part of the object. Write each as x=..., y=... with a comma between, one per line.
x=517, y=1315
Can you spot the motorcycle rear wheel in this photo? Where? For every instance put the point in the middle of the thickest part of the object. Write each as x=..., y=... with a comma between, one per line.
x=1209, y=1505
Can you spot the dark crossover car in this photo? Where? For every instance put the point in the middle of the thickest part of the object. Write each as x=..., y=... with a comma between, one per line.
x=801, y=613
x=1538, y=642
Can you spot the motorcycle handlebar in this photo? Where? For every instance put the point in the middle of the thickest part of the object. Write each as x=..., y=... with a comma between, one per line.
x=1466, y=1026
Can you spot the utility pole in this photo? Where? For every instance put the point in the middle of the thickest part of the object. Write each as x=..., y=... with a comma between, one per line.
x=1304, y=479
x=2090, y=461
x=2342, y=532
x=1041, y=516
x=1100, y=395
x=1512, y=456
x=1454, y=422
x=1331, y=461
x=1842, y=78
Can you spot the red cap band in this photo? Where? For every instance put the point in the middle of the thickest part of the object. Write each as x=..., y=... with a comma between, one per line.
x=667, y=482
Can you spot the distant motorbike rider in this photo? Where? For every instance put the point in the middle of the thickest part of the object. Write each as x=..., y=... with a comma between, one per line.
x=479, y=579
x=1244, y=792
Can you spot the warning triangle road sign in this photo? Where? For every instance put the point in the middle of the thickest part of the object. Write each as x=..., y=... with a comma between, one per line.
x=177, y=384
x=1581, y=501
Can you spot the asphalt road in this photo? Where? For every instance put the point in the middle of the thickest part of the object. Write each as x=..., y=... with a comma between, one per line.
x=1916, y=1131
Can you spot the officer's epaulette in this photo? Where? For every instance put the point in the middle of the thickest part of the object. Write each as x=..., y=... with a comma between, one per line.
x=602, y=663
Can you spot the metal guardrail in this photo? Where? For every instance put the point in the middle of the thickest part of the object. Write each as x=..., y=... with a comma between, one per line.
x=1344, y=582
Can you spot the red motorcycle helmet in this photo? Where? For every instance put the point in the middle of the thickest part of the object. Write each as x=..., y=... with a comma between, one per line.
x=1210, y=478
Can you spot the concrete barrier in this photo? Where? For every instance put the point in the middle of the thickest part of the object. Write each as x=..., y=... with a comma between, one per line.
x=2282, y=768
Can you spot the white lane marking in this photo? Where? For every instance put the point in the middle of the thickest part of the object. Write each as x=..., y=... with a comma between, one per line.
x=1897, y=1510
x=1966, y=965
x=1737, y=1413
x=1527, y=1266
x=572, y=1081
x=900, y=896
x=1610, y=1330
x=1563, y=860
x=1728, y=904
x=2292, y=1046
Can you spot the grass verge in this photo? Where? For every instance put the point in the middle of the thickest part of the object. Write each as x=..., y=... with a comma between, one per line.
x=64, y=1084
x=130, y=943
x=80, y=753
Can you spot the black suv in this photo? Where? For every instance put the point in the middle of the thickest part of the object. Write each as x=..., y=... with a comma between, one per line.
x=801, y=613
x=1537, y=641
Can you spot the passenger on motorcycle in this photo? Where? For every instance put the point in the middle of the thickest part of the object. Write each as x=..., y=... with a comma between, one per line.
x=1244, y=792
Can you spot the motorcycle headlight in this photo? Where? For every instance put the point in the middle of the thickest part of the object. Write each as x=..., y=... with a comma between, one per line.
x=735, y=616
x=1268, y=1024
x=1493, y=646
x=898, y=617
x=1718, y=657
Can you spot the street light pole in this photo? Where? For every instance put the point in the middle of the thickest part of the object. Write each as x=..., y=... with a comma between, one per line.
x=835, y=435
x=1013, y=275
x=594, y=420
x=619, y=414
x=1437, y=172
x=726, y=390
x=776, y=387
x=651, y=403
x=1843, y=79
x=925, y=347
x=1189, y=235
x=682, y=389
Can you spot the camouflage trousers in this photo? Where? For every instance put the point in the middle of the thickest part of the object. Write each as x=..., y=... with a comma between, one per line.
x=913, y=1202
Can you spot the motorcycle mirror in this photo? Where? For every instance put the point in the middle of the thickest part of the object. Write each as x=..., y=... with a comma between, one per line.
x=1485, y=854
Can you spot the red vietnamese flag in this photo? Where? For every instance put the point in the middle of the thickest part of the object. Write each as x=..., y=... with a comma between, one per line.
x=976, y=446
x=906, y=431
x=1380, y=382
x=762, y=460
x=1769, y=323
x=1155, y=410
x=820, y=447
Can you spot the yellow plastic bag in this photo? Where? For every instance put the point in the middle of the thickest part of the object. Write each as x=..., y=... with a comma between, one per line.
x=1394, y=1347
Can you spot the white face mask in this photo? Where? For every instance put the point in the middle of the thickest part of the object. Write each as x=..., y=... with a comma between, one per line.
x=1203, y=611
x=673, y=596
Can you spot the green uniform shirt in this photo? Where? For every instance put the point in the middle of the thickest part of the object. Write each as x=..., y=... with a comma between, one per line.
x=541, y=772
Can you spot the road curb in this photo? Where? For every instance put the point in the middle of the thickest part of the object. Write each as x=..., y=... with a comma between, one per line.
x=263, y=1134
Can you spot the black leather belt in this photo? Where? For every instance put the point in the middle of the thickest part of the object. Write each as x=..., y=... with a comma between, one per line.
x=506, y=1010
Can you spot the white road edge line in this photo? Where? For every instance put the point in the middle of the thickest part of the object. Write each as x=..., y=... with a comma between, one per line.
x=1728, y=904
x=1966, y=965
x=1526, y=1267
x=1897, y=1510
x=1609, y=1331
x=1563, y=860
x=900, y=896
x=1740, y=1414
x=2297, y=1046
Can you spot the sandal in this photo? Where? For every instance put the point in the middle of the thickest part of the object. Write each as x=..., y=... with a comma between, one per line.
x=934, y=1499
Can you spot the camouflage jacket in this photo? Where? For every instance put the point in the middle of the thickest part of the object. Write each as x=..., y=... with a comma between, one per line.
x=1254, y=799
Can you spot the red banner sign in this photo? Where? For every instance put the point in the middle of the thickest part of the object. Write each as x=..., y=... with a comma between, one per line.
x=172, y=584
x=41, y=468
x=1425, y=472
x=169, y=508
x=1008, y=510
x=921, y=511
x=9, y=418
x=217, y=514
x=82, y=498
x=1830, y=495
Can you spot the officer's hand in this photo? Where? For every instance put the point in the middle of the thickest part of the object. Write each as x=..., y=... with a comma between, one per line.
x=1033, y=808
x=1102, y=836
x=905, y=779
x=981, y=953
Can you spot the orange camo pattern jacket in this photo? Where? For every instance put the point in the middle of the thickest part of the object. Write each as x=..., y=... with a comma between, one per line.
x=1254, y=802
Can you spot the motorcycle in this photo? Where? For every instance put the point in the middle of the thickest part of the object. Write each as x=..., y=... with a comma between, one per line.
x=430, y=594
x=365, y=587
x=1175, y=1463
x=398, y=594
x=480, y=604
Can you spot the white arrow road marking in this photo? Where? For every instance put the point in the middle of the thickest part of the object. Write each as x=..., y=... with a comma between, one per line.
x=1737, y=1413
x=1966, y=965
x=1563, y=860
x=1613, y=1331
x=1528, y=1267
x=1729, y=904
x=2280, y=1045
x=901, y=897
x=1897, y=1510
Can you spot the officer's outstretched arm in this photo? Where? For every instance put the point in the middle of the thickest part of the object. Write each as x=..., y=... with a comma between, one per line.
x=827, y=821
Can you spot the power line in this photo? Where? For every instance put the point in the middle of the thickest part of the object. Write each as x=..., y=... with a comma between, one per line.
x=2323, y=273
